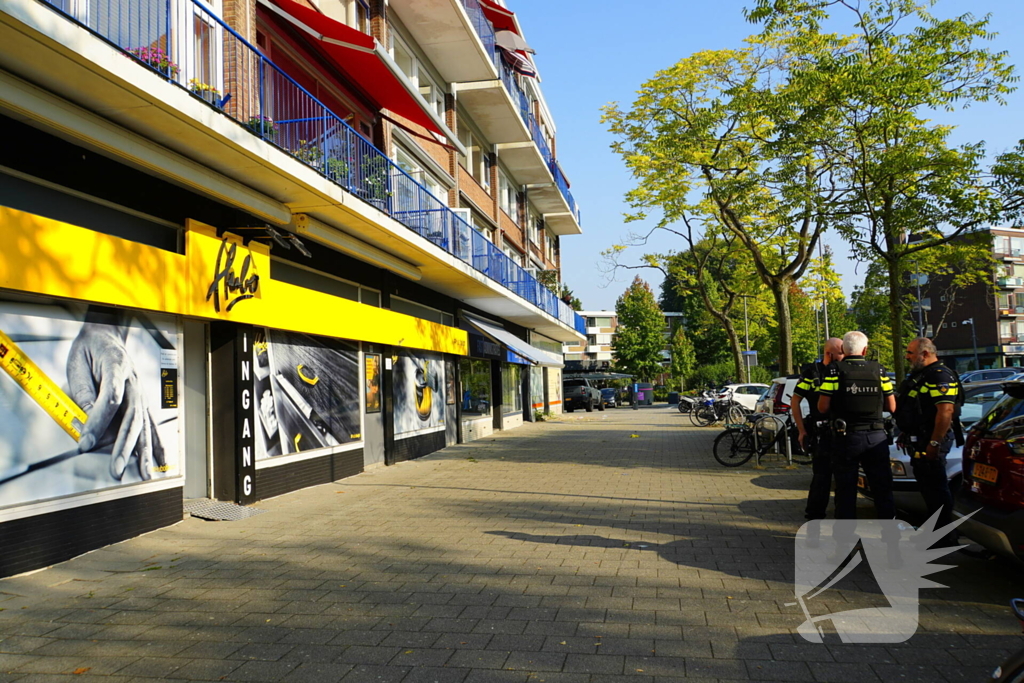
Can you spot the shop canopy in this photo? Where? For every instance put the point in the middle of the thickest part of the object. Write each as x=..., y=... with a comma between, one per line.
x=361, y=58
x=500, y=335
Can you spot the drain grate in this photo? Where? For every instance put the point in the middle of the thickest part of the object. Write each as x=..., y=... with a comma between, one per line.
x=218, y=510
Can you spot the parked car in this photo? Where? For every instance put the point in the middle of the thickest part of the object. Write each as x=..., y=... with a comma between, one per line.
x=579, y=393
x=993, y=477
x=610, y=397
x=746, y=395
x=777, y=398
x=978, y=400
x=993, y=374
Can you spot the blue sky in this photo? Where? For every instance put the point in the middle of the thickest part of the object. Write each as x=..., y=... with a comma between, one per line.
x=594, y=52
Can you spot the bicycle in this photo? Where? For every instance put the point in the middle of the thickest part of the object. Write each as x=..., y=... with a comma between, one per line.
x=711, y=410
x=759, y=435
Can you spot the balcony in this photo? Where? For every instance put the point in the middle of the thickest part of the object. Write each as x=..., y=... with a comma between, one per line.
x=453, y=34
x=243, y=86
x=1009, y=282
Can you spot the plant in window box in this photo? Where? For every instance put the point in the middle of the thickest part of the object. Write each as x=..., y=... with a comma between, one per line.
x=156, y=58
x=308, y=153
x=337, y=170
x=263, y=126
x=204, y=91
x=375, y=186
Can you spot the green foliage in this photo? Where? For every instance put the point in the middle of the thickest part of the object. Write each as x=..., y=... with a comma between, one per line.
x=883, y=79
x=712, y=375
x=684, y=359
x=638, y=342
x=568, y=297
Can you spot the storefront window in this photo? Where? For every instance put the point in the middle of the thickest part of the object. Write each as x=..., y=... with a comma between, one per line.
x=476, y=388
x=511, y=388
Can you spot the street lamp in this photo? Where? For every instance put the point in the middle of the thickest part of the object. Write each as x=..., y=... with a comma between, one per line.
x=974, y=339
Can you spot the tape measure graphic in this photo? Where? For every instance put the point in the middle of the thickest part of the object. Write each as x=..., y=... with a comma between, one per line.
x=41, y=388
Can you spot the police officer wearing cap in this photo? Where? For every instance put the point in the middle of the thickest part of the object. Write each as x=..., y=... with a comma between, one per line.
x=813, y=430
x=854, y=395
x=926, y=414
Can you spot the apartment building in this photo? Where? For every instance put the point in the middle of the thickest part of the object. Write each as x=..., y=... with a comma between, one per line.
x=596, y=353
x=257, y=245
x=982, y=325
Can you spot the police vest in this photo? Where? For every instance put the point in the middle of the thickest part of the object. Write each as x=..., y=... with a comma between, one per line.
x=858, y=399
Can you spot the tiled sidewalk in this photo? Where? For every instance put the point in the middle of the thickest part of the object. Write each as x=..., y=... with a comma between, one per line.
x=564, y=552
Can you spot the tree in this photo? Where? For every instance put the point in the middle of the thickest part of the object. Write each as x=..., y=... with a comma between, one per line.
x=877, y=88
x=568, y=297
x=706, y=335
x=870, y=309
x=684, y=360
x=638, y=341
x=710, y=138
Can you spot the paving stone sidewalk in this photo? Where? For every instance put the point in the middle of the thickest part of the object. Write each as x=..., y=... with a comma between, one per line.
x=596, y=548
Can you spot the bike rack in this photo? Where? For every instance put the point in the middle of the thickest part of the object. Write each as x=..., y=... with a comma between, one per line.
x=781, y=426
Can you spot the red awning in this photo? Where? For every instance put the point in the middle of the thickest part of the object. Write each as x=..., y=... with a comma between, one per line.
x=503, y=19
x=358, y=56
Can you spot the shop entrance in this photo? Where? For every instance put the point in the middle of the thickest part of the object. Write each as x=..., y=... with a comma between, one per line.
x=195, y=395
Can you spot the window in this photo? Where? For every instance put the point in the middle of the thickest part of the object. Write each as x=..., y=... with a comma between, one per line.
x=476, y=388
x=362, y=16
x=601, y=322
x=508, y=196
x=511, y=388
x=411, y=66
x=513, y=254
x=408, y=163
x=536, y=225
x=1006, y=329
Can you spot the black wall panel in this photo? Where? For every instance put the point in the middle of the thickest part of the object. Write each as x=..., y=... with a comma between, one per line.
x=418, y=446
x=275, y=481
x=40, y=541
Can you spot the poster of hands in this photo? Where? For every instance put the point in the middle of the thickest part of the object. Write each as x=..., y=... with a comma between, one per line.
x=419, y=380
x=88, y=399
x=307, y=393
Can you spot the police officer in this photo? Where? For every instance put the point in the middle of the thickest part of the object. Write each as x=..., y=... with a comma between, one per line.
x=854, y=395
x=814, y=437
x=927, y=417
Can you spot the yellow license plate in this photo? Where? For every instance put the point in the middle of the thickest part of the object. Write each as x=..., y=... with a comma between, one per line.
x=985, y=473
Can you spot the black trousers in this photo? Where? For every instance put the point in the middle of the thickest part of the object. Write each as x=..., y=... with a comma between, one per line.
x=934, y=486
x=820, y=442
x=870, y=451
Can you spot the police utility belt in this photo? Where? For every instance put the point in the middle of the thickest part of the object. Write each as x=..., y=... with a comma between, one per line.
x=841, y=428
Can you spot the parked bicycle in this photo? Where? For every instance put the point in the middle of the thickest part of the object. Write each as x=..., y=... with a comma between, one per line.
x=714, y=408
x=759, y=435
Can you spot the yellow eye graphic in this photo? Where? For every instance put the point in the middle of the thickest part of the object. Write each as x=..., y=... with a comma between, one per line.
x=424, y=394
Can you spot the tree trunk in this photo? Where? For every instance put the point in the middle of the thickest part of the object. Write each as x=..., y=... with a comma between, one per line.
x=734, y=343
x=780, y=290
x=895, y=268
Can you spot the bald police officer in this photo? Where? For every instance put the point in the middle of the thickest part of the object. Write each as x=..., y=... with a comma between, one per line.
x=814, y=434
x=854, y=395
x=926, y=414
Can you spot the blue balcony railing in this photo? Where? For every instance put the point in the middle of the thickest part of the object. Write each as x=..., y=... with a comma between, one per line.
x=199, y=52
x=563, y=187
x=483, y=28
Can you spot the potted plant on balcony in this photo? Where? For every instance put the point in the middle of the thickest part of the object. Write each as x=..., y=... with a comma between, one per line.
x=155, y=58
x=308, y=153
x=263, y=126
x=204, y=91
x=375, y=187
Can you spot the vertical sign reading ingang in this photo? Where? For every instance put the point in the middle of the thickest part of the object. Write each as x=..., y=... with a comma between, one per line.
x=245, y=412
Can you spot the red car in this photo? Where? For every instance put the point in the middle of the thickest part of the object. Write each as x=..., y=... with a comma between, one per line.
x=993, y=477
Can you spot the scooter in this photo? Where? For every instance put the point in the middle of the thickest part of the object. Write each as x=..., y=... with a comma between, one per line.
x=1012, y=670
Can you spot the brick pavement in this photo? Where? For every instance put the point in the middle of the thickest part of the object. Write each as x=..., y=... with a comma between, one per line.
x=563, y=552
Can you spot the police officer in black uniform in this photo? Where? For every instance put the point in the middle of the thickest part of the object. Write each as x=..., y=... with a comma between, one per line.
x=854, y=396
x=926, y=414
x=814, y=435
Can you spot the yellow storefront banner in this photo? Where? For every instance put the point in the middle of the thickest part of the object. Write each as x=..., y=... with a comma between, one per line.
x=217, y=278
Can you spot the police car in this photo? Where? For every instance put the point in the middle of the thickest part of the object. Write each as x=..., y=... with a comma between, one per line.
x=978, y=398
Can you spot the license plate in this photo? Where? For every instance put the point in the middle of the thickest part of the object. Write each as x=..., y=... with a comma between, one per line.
x=985, y=473
x=862, y=483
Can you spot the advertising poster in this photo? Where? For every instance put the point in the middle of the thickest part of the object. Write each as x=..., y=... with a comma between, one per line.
x=88, y=399
x=419, y=379
x=307, y=393
x=372, y=373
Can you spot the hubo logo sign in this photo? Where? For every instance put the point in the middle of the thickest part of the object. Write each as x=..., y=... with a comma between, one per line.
x=896, y=555
x=236, y=285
